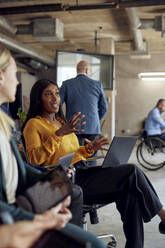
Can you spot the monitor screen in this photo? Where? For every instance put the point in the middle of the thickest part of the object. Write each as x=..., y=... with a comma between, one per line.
x=101, y=66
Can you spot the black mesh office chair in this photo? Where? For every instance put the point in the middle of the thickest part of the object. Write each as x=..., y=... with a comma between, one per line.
x=94, y=219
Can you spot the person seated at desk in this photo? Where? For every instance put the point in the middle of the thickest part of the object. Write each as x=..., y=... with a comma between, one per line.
x=16, y=177
x=154, y=124
x=48, y=137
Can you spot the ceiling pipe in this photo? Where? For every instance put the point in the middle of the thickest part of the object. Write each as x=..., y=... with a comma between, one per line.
x=12, y=1
x=26, y=67
x=135, y=23
x=18, y=47
x=139, y=3
x=59, y=7
x=8, y=26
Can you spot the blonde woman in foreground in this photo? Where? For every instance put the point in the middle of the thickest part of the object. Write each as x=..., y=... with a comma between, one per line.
x=15, y=178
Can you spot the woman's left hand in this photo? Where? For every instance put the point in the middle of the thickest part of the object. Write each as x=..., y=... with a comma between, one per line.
x=71, y=125
x=69, y=172
x=98, y=143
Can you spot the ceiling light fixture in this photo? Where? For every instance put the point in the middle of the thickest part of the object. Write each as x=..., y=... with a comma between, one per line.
x=152, y=76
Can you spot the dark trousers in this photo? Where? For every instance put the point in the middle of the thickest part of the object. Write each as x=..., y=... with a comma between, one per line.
x=76, y=205
x=135, y=197
x=81, y=138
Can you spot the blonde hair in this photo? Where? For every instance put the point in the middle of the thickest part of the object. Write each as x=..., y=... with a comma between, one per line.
x=5, y=121
x=5, y=56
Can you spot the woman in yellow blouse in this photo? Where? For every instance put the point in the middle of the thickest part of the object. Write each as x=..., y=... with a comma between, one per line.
x=48, y=137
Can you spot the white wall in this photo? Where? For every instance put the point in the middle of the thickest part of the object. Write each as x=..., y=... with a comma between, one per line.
x=135, y=98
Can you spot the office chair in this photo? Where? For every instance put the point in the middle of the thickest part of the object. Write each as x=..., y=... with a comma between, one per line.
x=92, y=211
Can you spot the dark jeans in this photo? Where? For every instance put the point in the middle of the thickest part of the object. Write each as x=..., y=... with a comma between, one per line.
x=126, y=184
x=81, y=138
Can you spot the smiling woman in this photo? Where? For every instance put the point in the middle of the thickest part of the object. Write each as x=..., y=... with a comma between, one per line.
x=51, y=101
x=44, y=96
x=45, y=117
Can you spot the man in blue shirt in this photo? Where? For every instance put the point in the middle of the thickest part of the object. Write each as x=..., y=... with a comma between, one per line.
x=85, y=95
x=154, y=124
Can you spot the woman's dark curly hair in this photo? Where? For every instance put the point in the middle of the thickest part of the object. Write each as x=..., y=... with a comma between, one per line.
x=36, y=103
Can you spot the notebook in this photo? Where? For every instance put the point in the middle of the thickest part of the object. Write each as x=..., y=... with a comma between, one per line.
x=119, y=151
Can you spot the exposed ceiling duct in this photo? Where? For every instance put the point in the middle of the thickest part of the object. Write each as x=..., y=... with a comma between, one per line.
x=18, y=47
x=48, y=29
x=158, y=24
x=43, y=29
x=8, y=26
x=134, y=23
x=60, y=7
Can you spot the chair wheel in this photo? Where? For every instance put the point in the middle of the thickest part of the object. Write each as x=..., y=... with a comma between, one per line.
x=112, y=243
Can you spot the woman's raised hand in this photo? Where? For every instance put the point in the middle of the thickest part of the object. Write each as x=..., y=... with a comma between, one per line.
x=97, y=144
x=71, y=126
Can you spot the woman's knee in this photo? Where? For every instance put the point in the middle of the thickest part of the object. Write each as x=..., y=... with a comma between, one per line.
x=135, y=168
x=130, y=169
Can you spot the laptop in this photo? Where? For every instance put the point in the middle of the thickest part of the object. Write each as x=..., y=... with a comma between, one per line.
x=64, y=161
x=119, y=151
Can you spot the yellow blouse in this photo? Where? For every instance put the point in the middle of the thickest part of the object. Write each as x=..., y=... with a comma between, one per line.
x=44, y=147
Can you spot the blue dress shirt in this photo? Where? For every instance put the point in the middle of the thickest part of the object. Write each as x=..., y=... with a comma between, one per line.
x=154, y=122
x=85, y=95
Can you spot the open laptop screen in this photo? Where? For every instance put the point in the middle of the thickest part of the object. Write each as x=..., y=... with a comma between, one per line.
x=119, y=151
